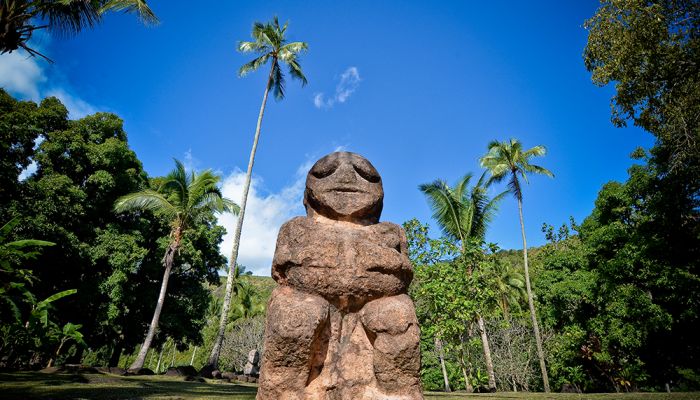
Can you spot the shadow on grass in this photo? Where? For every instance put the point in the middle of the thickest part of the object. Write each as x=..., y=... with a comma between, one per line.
x=97, y=386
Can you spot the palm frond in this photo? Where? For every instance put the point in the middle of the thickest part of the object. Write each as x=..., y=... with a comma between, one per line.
x=461, y=186
x=69, y=17
x=259, y=33
x=277, y=81
x=145, y=200
x=296, y=72
x=447, y=212
x=536, y=169
x=252, y=47
x=21, y=244
x=140, y=7
x=176, y=184
x=514, y=187
x=253, y=65
x=200, y=185
x=7, y=228
x=536, y=151
x=294, y=48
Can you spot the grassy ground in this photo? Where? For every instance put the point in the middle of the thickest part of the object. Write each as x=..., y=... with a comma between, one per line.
x=33, y=385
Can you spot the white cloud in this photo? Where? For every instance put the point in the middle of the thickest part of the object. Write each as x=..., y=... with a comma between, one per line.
x=21, y=75
x=26, y=78
x=77, y=108
x=349, y=82
x=264, y=215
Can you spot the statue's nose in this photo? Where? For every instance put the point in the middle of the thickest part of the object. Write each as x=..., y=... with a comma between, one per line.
x=346, y=174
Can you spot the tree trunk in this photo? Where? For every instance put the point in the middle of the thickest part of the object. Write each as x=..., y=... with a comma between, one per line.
x=466, y=364
x=213, y=361
x=172, y=355
x=55, y=356
x=193, y=353
x=160, y=358
x=487, y=353
x=531, y=303
x=441, y=355
x=168, y=262
x=116, y=354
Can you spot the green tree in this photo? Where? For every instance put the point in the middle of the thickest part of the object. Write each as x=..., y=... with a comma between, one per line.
x=19, y=19
x=650, y=49
x=508, y=160
x=270, y=43
x=463, y=215
x=186, y=200
x=21, y=124
x=82, y=167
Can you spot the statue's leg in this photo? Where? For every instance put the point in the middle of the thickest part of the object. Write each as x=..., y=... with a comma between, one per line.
x=392, y=328
x=294, y=333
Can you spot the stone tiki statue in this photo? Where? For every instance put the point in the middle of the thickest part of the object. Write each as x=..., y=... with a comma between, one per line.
x=340, y=326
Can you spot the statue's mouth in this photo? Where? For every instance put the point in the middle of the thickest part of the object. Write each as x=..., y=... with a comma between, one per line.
x=346, y=190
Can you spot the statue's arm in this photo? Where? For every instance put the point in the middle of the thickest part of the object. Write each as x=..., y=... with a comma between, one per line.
x=287, y=249
x=399, y=242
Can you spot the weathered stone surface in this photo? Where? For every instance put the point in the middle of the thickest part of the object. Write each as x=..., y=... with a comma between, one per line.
x=228, y=375
x=340, y=325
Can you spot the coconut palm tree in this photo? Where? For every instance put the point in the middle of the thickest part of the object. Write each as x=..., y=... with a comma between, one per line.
x=270, y=44
x=507, y=159
x=185, y=200
x=463, y=215
x=19, y=19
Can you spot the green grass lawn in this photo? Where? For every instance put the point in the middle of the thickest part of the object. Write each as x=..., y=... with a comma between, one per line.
x=35, y=385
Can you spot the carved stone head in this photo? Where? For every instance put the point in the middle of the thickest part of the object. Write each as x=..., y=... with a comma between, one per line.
x=346, y=187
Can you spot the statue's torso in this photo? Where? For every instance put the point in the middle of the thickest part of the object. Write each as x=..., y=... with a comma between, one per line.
x=336, y=260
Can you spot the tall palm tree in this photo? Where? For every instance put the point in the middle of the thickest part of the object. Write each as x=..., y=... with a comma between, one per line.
x=19, y=19
x=186, y=200
x=464, y=214
x=507, y=159
x=270, y=43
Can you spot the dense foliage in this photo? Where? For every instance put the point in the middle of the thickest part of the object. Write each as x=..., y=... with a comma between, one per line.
x=112, y=261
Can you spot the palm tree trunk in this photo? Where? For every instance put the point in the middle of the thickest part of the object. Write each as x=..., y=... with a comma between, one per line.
x=441, y=356
x=193, y=354
x=160, y=358
x=531, y=303
x=168, y=262
x=213, y=361
x=466, y=363
x=487, y=353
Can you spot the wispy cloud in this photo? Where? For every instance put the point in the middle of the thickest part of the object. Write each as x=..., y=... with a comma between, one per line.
x=27, y=79
x=265, y=213
x=21, y=75
x=349, y=82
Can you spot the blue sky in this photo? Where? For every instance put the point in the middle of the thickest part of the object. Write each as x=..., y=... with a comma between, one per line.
x=419, y=88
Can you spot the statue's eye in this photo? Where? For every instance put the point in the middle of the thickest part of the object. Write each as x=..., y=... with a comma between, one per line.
x=367, y=173
x=322, y=171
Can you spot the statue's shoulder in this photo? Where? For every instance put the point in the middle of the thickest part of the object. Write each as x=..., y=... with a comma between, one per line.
x=294, y=228
x=389, y=227
x=295, y=223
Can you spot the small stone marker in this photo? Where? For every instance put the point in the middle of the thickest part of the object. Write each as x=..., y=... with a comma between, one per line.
x=251, y=367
